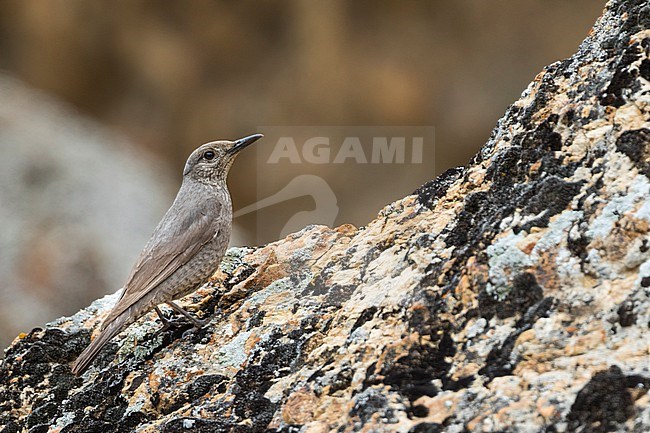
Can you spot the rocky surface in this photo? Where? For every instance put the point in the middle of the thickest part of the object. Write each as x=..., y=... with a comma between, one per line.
x=508, y=296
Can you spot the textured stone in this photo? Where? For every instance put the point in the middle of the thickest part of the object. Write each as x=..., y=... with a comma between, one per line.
x=510, y=295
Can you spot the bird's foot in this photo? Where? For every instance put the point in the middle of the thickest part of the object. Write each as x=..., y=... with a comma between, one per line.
x=198, y=323
x=168, y=323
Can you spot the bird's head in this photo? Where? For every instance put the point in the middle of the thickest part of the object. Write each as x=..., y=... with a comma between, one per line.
x=211, y=161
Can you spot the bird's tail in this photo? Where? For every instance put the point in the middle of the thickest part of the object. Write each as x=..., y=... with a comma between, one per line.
x=109, y=331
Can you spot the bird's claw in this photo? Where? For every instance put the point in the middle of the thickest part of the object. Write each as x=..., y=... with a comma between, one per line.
x=197, y=324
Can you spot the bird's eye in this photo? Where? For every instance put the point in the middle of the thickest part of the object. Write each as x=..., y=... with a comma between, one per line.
x=209, y=155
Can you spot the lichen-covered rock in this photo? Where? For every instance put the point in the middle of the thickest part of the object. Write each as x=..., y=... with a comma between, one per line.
x=509, y=296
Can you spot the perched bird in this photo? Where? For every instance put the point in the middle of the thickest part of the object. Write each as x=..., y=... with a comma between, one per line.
x=184, y=249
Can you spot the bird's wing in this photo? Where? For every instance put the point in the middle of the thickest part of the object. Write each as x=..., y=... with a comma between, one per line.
x=178, y=237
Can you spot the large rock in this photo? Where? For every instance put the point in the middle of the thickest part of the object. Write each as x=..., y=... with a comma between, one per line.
x=510, y=295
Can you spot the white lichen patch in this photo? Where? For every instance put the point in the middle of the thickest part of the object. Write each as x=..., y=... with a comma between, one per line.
x=505, y=260
x=232, y=354
x=63, y=421
x=620, y=204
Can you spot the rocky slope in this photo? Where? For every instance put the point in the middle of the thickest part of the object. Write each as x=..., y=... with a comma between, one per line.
x=508, y=296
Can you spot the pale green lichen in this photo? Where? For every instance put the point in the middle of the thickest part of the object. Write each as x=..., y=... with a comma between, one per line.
x=505, y=258
x=233, y=353
x=234, y=258
x=278, y=286
x=133, y=346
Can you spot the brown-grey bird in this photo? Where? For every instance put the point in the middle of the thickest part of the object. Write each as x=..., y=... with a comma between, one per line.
x=185, y=248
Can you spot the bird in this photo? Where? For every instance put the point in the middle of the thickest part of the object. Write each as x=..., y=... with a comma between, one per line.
x=185, y=247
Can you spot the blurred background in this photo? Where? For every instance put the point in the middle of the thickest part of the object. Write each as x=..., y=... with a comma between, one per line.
x=102, y=101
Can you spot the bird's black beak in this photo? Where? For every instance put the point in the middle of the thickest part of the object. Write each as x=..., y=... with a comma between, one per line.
x=244, y=142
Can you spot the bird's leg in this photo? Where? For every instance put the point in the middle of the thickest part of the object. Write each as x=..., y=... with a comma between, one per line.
x=198, y=324
x=167, y=324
